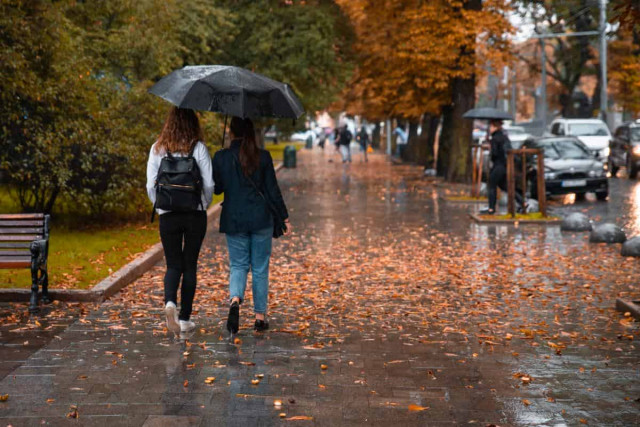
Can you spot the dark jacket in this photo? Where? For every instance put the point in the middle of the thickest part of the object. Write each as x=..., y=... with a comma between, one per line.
x=500, y=144
x=344, y=137
x=243, y=210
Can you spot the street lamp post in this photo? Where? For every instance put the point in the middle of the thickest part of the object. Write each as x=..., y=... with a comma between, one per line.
x=603, y=60
x=543, y=89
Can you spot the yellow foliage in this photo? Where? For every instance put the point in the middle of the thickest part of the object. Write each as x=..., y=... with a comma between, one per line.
x=409, y=50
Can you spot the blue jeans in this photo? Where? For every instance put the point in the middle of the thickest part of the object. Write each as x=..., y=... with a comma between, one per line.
x=250, y=250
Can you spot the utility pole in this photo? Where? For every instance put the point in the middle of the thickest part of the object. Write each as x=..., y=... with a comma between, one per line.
x=505, y=88
x=603, y=60
x=512, y=104
x=543, y=89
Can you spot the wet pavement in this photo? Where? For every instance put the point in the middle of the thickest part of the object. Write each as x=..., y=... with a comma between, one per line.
x=388, y=306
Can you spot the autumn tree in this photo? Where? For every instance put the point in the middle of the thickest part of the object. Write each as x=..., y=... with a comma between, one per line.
x=418, y=61
x=624, y=52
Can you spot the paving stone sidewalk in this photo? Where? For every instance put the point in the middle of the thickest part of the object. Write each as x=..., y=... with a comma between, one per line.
x=387, y=306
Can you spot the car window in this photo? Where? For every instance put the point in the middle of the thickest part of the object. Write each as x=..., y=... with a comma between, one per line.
x=568, y=149
x=635, y=134
x=588, y=129
x=549, y=150
x=554, y=128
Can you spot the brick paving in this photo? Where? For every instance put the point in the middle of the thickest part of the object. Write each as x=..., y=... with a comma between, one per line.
x=363, y=341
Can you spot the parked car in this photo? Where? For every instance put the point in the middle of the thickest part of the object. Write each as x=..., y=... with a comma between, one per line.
x=271, y=134
x=594, y=133
x=517, y=135
x=569, y=167
x=302, y=136
x=625, y=149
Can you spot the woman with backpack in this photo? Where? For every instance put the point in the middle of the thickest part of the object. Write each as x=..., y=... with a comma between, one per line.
x=253, y=212
x=180, y=185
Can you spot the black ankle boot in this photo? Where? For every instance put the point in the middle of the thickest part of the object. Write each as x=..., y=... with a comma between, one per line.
x=233, y=321
x=261, y=325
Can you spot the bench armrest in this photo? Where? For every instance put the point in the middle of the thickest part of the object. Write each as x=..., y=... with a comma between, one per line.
x=39, y=252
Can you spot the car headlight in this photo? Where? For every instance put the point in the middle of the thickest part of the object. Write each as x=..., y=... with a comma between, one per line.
x=550, y=175
x=606, y=152
x=596, y=173
x=636, y=150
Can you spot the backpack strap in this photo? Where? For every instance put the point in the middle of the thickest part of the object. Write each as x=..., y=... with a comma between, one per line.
x=153, y=212
x=193, y=148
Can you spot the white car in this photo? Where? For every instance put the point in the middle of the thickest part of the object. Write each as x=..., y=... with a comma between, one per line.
x=594, y=133
x=517, y=135
x=302, y=136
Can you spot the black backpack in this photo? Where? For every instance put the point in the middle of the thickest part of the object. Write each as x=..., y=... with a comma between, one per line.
x=178, y=184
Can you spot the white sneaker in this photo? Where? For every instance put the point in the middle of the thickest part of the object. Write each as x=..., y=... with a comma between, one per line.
x=172, y=317
x=187, y=325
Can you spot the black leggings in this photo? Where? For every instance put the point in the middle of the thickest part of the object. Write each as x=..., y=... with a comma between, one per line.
x=182, y=234
x=498, y=178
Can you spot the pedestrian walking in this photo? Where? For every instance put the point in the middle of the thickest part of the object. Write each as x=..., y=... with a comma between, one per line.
x=180, y=185
x=343, y=142
x=499, y=145
x=252, y=210
x=401, y=140
x=363, y=140
x=322, y=138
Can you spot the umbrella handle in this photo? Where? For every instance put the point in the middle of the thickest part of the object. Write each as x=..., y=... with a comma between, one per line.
x=224, y=130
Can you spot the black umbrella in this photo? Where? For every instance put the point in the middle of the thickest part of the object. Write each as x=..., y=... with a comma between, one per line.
x=229, y=90
x=487, y=113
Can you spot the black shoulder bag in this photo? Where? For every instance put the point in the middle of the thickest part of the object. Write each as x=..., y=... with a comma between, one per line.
x=279, y=226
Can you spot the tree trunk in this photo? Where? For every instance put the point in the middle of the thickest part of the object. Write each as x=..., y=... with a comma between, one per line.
x=375, y=137
x=454, y=155
x=429, y=128
x=412, y=144
x=444, y=144
x=459, y=152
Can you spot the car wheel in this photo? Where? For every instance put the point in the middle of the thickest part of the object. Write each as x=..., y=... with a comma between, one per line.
x=602, y=196
x=613, y=168
x=632, y=170
x=580, y=196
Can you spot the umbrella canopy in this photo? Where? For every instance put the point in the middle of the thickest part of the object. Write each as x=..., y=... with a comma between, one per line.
x=487, y=113
x=229, y=90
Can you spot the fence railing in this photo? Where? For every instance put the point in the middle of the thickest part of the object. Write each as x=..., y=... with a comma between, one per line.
x=477, y=169
x=511, y=178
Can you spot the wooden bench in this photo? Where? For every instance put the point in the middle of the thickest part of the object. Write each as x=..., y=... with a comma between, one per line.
x=24, y=243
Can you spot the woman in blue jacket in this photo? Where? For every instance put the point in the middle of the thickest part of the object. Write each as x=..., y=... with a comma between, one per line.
x=246, y=218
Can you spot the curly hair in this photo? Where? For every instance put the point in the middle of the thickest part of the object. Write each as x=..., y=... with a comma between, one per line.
x=180, y=132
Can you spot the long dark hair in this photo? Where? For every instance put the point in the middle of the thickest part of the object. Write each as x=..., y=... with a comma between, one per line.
x=249, y=150
x=181, y=130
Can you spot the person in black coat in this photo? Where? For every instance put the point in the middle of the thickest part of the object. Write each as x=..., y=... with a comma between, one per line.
x=500, y=144
x=246, y=218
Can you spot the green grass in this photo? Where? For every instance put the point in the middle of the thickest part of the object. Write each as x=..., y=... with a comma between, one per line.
x=7, y=203
x=465, y=198
x=277, y=150
x=80, y=258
